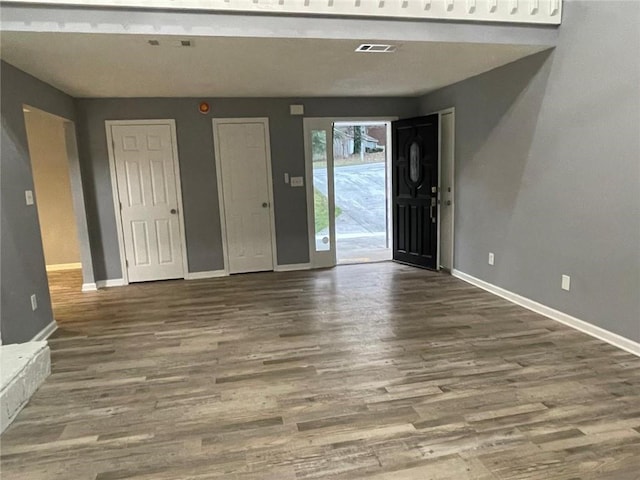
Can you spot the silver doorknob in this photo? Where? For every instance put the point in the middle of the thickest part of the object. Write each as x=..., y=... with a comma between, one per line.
x=173, y=211
x=265, y=204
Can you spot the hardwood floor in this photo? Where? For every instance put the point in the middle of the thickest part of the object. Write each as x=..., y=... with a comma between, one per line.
x=376, y=371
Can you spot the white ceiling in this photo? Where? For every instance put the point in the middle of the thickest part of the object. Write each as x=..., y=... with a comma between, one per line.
x=104, y=65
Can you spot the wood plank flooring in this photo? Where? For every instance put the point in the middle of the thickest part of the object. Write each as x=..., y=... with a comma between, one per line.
x=379, y=371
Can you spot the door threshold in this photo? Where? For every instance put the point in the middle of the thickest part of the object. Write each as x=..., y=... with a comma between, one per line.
x=362, y=261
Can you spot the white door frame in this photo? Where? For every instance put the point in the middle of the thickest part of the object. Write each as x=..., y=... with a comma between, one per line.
x=440, y=113
x=309, y=178
x=221, y=206
x=116, y=198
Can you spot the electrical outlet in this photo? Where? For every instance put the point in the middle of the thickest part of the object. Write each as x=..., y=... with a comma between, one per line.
x=566, y=282
x=28, y=196
x=34, y=302
x=492, y=258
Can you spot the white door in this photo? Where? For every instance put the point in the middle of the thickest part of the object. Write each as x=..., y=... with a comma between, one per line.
x=243, y=159
x=145, y=167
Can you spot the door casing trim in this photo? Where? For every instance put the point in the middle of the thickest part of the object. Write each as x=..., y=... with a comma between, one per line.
x=116, y=198
x=221, y=205
x=445, y=111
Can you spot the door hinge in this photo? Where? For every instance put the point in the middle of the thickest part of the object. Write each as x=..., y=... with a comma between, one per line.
x=126, y=262
x=120, y=205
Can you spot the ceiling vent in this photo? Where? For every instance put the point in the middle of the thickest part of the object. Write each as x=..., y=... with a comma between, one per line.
x=376, y=48
x=171, y=43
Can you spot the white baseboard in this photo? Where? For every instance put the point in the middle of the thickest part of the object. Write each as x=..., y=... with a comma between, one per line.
x=89, y=287
x=63, y=266
x=292, y=267
x=46, y=332
x=114, y=282
x=585, y=327
x=203, y=275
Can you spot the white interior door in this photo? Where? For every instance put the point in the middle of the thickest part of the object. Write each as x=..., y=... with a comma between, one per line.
x=145, y=166
x=242, y=152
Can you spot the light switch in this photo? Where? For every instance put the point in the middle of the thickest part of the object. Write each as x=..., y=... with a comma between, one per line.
x=566, y=282
x=297, y=182
x=286, y=178
x=28, y=195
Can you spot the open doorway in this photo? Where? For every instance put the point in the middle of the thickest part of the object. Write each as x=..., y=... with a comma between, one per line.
x=350, y=174
x=361, y=188
x=349, y=180
x=59, y=199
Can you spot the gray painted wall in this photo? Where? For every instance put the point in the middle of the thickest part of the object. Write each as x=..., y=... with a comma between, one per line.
x=22, y=268
x=548, y=169
x=197, y=168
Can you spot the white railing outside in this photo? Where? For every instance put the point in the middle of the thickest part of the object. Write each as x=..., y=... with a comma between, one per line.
x=547, y=12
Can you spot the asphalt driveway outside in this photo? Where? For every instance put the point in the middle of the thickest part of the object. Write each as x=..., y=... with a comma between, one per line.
x=360, y=193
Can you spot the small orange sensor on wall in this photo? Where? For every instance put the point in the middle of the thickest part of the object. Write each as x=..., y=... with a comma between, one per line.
x=204, y=107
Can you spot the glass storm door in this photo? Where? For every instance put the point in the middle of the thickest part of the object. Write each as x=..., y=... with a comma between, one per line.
x=318, y=142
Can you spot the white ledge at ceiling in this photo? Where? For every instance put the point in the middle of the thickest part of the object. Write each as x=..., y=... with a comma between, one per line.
x=544, y=12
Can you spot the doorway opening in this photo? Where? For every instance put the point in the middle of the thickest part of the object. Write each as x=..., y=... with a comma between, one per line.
x=424, y=190
x=361, y=178
x=349, y=187
x=59, y=199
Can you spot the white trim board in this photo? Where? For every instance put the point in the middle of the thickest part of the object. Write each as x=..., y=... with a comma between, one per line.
x=46, y=332
x=441, y=113
x=547, y=12
x=207, y=274
x=64, y=266
x=292, y=267
x=89, y=287
x=113, y=282
x=573, y=322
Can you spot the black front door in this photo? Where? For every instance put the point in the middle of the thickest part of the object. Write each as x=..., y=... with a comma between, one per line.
x=415, y=191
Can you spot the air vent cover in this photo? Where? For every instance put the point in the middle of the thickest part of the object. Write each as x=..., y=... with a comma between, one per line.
x=376, y=48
